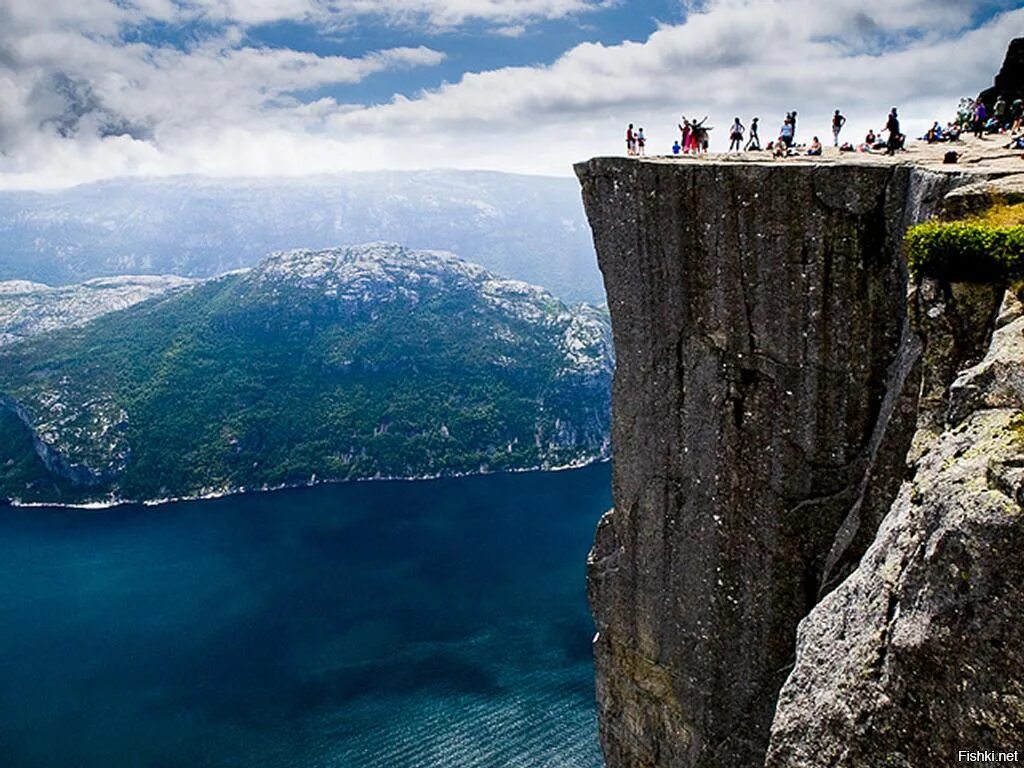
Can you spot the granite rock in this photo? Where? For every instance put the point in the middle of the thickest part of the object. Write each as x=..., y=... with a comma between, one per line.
x=920, y=653
x=764, y=401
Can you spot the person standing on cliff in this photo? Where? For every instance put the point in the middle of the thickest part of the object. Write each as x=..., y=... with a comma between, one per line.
x=999, y=112
x=684, y=132
x=736, y=135
x=892, y=125
x=838, y=121
x=641, y=142
x=787, y=132
x=698, y=135
x=980, y=118
x=630, y=141
x=754, y=142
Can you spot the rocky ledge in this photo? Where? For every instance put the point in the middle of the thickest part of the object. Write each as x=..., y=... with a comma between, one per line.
x=785, y=416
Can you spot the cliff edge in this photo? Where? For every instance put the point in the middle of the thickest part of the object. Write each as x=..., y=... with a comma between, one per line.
x=772, y=374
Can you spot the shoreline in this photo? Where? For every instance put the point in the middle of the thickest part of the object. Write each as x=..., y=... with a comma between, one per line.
x=97, y=506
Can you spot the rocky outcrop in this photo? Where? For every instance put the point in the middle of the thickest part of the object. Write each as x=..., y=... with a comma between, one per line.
x=30, y=309
x=1009, y=82
x=764, y=399
x=919, y=653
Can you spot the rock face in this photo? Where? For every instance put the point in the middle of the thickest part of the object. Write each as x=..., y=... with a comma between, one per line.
x=1009, y=82
x=761, y=416
x=918, y=654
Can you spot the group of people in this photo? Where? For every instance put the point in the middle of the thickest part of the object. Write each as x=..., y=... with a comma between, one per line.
x=636, y=142
x=973, y=115
x=694, y=137
x=938, y=133
x=1004, y=117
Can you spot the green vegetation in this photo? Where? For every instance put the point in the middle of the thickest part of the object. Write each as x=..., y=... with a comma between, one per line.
x=986, y=248
x=244, y=383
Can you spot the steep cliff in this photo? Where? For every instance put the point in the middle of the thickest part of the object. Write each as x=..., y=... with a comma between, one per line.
x=766, y=397
x=918, y=654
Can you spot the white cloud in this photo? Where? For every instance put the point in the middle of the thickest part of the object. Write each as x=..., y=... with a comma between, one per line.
x=739, y=57
x=106, y=15
x=68, y=80
x=222, y=108
x=448, y=13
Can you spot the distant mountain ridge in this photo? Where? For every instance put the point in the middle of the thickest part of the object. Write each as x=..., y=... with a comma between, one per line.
x=528, y=227
x=359, y=362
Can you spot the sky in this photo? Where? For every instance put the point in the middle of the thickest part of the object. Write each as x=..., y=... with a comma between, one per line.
x=94, y=89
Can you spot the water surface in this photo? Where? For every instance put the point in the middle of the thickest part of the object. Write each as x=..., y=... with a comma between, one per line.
x=423, y=624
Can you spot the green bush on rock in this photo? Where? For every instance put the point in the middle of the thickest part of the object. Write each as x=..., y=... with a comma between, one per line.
x=966, y=251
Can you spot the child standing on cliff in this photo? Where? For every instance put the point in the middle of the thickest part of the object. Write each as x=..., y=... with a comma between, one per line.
x=641, y=142
x=736, y=135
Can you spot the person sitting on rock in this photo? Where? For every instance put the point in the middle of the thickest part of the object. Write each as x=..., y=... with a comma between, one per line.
x=815, y=149
x=781, y=149
x=677, y=147
x=1016, y=143
x=1016, y=115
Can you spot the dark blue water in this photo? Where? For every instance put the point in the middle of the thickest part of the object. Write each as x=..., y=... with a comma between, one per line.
x=382, y=624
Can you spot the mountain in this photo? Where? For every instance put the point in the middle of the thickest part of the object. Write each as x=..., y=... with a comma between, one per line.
x=359, y=362
x=528, y=227
x=28, y=309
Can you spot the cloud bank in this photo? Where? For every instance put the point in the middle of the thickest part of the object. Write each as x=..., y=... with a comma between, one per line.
x=89, y=90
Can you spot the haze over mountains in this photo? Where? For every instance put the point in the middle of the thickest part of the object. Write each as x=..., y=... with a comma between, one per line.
x=530, y=228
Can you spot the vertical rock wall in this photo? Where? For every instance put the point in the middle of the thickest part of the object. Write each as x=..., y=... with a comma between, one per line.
x=761, y=415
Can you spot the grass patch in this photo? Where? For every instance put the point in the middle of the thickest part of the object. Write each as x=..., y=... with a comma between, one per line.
x=1001, y=215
